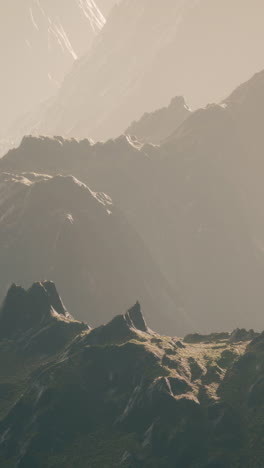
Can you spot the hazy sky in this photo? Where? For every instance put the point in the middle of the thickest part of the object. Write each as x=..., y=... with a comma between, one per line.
x=231, y=40
x=218, y=45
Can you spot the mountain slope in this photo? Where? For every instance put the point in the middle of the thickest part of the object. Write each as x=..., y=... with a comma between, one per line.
x=108, y=88
x=55, y=227
x=196, y=200
x=122, y=395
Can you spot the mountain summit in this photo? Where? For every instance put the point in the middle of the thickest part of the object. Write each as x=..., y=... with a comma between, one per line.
x=23, y=309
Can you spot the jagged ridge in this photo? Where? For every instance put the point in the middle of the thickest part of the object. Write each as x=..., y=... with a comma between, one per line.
x=120, y=395
x=35, y=316
x=57, y=227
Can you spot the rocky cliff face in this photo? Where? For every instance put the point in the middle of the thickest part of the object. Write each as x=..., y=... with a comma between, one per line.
x=122, y=395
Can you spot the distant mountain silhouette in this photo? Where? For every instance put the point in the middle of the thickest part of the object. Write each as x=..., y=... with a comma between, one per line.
x=154, y=127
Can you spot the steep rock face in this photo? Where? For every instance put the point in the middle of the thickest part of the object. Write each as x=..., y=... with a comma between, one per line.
x=37, y=319
x=136, y=319
x=57, y=227
x=121, y=328
x=25, y=309
x=108, y=89
x=154, y=127
x=109, y=398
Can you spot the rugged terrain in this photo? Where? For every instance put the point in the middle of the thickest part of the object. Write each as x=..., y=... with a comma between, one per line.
x=195, y=200
x=122, y=395
x=57, y=228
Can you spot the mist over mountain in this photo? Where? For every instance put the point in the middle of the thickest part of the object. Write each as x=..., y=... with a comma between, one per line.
x=56, y=228
x=131, y=179
x=195, y=200
x=154, y=127
x=146, y=55
x=39, y=41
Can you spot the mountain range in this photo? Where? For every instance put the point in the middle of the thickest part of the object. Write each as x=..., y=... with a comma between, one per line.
x=57, y=228
x=121, y=395
x=195, y=200
x=142, y=58
x=131, y=234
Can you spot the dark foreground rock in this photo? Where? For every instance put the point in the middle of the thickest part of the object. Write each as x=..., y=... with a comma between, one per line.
x=121, y=395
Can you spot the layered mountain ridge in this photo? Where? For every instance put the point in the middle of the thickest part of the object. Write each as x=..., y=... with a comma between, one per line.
x=147, y=215
x=122, y=395
x=195, y=200
x=56, y=227
x=108, y=89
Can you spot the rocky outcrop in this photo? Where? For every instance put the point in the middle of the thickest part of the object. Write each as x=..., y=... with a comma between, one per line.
x=212, y=337
x=136, y=319
x=23, y=310
x=37, y=319
x=240, y=334
x=121, y=328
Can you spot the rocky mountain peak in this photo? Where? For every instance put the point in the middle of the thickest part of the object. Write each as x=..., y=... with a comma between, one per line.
x=48, y=291
x=26, y=309
x=135, y=318
x=120, y=328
